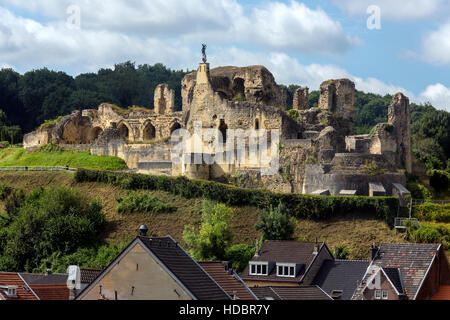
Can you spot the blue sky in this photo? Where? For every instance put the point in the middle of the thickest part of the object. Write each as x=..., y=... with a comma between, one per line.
x=301, y=42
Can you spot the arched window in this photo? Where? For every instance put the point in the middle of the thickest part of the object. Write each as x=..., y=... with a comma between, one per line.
x=149, y=132
x=257, y=124
x=124, y=131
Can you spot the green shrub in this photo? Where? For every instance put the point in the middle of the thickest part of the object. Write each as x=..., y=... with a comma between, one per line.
x=276, y=223
x=48, y=221
x=239, y=255
x=215, y=234
x=141, y=202
x=4, y=191
x=439, y=180
x=428, y=233
x=432, y=212
x=419, y=191
x=294, y=114
x=341, y=252
x=300, y=206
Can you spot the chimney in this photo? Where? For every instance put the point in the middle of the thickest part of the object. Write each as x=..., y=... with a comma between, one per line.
x=143, y=230
x=48, y=272
x=373, y=251
x=257, y=248
x=316, y=247
x=227, y=266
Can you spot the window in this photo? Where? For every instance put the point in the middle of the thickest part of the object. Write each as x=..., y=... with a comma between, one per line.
x=377, y=294
x=258, y=268
x=384, y=294
x=286, y=270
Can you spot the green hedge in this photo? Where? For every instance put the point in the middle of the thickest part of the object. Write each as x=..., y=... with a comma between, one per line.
x=433, y=212
x=300, y=206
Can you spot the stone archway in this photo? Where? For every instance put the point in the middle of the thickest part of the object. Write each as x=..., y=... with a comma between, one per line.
x=149, y=132
x=175, y=126
x=124, y=131
x=95, y=133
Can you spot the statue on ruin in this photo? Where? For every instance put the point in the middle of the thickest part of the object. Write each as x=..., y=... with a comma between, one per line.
x=204, y=52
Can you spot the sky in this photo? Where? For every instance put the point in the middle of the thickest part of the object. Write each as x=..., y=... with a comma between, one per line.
x=384, y=46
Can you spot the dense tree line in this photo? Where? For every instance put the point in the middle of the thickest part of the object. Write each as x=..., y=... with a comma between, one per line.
x=39, y=95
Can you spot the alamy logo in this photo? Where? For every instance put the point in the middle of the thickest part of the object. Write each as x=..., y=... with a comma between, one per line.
x=374, y=19
x=73, y=21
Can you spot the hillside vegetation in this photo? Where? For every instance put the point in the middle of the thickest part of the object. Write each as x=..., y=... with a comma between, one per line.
x=51, y=155
x=355, y=231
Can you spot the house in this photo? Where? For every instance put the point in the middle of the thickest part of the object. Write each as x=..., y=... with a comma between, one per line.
x=14, y=287
x=151, y=268
x=404, y=271
x=286, y=263
x=48, y=286
x=340, y=278
x=291, y=293
x=224, y=275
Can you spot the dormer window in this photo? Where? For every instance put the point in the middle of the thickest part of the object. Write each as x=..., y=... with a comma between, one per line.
x=11, y=291
x=286, y=270
x=259, y=268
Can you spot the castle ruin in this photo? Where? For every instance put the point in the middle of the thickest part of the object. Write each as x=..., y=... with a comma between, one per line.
x=318, y=153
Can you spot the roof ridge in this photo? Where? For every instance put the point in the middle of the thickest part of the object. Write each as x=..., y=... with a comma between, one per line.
x=352, y=260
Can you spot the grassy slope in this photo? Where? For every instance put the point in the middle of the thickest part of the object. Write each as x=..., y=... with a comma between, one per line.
x=71, y=158
x=357, y=233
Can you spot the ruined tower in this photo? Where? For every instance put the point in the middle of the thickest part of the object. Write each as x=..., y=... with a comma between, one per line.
x=338, y=98
x=164, y=99
x=399, y=117
x=301, y=99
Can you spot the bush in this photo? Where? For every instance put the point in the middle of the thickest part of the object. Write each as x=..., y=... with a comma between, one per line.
x=48, y=221
x=141, y=202
x=439, y=180
x=300, y=206
x=214, y=236
x=429, y=233
x=341, y=252
x=239, y=255
x=419, y=191
x=276, y=223
x=4, y=191
x=432, y=212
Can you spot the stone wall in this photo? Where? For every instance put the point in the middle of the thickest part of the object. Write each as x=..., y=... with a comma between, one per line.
x=318, y=177
x=38, y=138
x=164, y=99
x=301, y=99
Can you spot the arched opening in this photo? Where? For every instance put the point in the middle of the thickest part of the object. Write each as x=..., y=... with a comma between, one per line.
x=124, y=131
x=174, y=127
x=95, y=133
x=223, y=130
x=149, y=132
x=257, y=124
x=238, y=89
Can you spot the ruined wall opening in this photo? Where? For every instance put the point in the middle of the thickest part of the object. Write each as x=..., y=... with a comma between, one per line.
x=257, y=124
x=174, y=127
x=223, y=130
x=124, y=131
x=95, y=133
x=239, y=88
x=149, y=132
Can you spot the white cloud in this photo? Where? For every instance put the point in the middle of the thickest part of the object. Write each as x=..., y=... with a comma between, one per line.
x=438, y=95
x=394, y=9
x=436, y=46
x=29, y=44
x=273, y=25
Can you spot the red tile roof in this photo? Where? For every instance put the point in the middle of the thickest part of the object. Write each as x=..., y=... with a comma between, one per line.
x=443, y=293
x=228, y=281
x=13, y=279
x=51, y=291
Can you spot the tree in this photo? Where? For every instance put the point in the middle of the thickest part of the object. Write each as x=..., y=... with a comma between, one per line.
x=276, y=224
x=215, y=234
